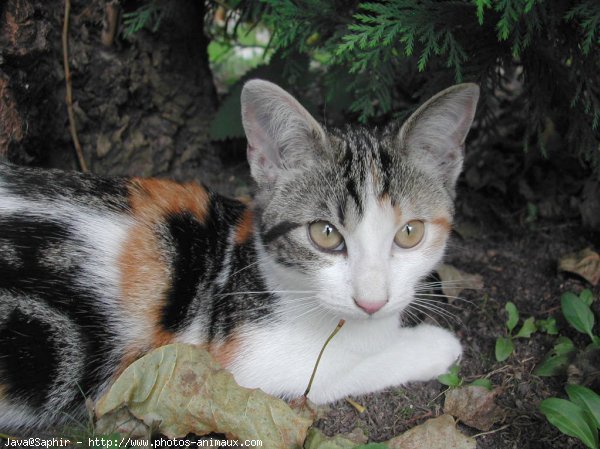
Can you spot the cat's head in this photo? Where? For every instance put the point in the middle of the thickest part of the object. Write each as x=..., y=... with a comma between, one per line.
x=352, y=219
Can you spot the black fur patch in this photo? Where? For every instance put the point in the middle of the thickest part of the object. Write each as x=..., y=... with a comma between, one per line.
x=192, y=242
x=199, y=249
x=28, y=359
x=31, y=279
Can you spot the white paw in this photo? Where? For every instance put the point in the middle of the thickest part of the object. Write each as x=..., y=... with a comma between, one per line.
x=441, y=349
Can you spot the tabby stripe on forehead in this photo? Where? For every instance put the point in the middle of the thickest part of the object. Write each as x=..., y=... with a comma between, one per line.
x=278, y=230
x=386, y=163
x=347, y=163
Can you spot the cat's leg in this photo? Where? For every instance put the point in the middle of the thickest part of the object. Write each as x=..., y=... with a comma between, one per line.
x=417, y=354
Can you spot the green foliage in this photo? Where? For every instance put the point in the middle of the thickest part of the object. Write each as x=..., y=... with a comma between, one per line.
x=399, y=52
x=576, y=310
x=147, y=15
x=557, y=361
x=571, y=419
x=578, y=314
x=485, y=383
x=451, y=378
x=505, y=345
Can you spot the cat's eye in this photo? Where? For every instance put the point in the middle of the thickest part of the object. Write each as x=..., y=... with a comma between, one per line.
x=410, y=234
x=325, y=236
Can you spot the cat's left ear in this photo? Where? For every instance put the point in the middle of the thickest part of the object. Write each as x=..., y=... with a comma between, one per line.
x=434, y=135
x=281, y=134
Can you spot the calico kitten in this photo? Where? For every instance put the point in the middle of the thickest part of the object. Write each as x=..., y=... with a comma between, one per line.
x=346, y=223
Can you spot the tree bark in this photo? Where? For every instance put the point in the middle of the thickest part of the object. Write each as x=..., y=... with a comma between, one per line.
x=142, y=105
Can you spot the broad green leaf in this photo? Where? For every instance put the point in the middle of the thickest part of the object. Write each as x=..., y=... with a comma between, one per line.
x=587, y=296
x=435, y=433
x=451, y=378
x=548, y=326
x=553, y=365
x=563, y=345
x=485, y=383
x=571, y=420
x=557, y=360
x=577, y=313
x=183, y=389
x=504, y=348
x=513, y=316
x=527, y=329
x=586, y=399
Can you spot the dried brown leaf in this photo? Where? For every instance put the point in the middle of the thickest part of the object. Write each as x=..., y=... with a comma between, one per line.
x=183, y=390
x=585, y=263
x=454, y=281
x=435, y=433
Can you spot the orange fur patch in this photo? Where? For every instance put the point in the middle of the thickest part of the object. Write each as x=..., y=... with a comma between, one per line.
x=145, y=273
x=226, y=352
x=244, y=228
x=442, y=222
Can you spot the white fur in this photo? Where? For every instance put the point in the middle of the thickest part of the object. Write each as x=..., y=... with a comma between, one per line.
x=370, y=352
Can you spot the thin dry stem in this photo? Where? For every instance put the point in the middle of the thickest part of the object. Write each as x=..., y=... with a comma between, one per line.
x=69, y=96
x=312, y=376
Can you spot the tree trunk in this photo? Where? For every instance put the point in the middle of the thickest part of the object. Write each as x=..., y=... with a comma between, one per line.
x=142, y=105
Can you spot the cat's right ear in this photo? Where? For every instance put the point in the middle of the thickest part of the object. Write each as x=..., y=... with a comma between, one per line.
x=281, y=134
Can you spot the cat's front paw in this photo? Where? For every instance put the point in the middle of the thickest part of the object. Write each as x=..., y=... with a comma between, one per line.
x=442, y=349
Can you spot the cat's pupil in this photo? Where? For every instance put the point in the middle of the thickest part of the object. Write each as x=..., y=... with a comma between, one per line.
x=328, y=229
x=408, y=229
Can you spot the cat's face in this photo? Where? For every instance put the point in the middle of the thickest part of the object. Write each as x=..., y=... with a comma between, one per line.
x=351, y=220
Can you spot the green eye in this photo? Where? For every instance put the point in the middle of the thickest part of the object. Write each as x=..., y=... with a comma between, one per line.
x=325, y=236
x=410, y=234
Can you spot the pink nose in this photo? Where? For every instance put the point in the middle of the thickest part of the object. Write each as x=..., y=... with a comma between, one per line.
x=370, y=306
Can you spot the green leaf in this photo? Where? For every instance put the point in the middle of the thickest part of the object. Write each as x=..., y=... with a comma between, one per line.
x=513, y=316
x=451, y=378
x=485, y=383
x=548, y=326
x=527, y=329
x=586, y=399
x=571, y=420
x=587, y=296
x=553, y=365
x=504, y=348
x=577, y=313
x=557, y=360
x=563, y=345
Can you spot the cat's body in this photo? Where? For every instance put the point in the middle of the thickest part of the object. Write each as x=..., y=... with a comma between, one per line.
x=95, y=272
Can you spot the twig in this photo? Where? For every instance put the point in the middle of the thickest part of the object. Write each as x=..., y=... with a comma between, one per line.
x=491, y=431
x=69, y=96
x=312, y=376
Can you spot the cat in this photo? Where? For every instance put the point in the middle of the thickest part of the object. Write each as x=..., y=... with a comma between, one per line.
x=346, y=224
